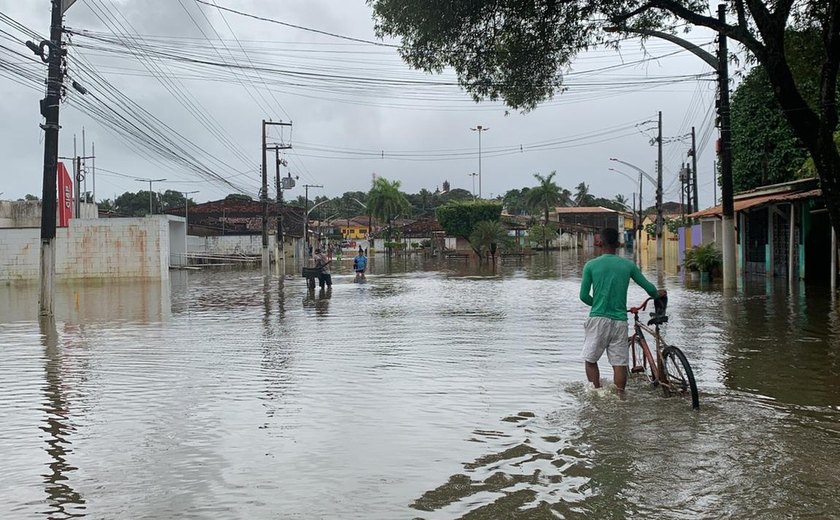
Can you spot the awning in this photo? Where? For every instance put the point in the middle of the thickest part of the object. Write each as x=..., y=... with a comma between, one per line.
x=745, y=204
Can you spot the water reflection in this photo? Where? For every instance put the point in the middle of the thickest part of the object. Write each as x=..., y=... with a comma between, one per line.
x=64, y=501
x=436, y=390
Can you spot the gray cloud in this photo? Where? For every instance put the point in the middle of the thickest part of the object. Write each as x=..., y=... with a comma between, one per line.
x=370, y=123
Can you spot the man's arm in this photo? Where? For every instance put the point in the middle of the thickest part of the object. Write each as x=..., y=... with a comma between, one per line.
x=644, y=283
x=586, y=286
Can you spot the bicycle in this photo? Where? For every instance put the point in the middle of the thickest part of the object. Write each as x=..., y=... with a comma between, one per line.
x=670, y=369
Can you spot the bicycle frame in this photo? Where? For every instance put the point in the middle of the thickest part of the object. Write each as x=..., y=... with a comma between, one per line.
x=639, y=328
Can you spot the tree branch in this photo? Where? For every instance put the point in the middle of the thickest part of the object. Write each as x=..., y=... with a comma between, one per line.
x=828, y=77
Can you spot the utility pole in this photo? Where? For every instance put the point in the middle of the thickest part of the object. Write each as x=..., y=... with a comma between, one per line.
x=150, y=181
x=683, y=190
x=479, y=129
x=694, y=171
x=285, y=183
x=49, y=109
x=660, y=247
x=306, y=214
x=730, y=275
x=186, y=219
x=264, y=189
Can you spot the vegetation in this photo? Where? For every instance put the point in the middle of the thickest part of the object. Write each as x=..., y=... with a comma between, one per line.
x=488, y=234
x=517, y=48
x=542, y=234
x=703, y=258
x=545, y=196
x=137, y=204
x=386, y=202
x=459, y=219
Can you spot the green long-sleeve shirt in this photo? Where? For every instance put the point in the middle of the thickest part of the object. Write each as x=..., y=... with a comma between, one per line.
x=608, y=276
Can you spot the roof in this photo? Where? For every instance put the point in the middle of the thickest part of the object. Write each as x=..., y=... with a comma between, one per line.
x=583, y=209
x=742, y=204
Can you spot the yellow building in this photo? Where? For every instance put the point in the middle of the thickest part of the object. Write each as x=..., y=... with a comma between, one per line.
x=353, y=229
x=670, y=249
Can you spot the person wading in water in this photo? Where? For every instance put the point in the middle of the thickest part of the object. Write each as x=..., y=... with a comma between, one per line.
x=607, y=279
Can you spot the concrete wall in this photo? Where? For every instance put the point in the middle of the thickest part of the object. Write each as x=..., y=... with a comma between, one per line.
x=27, y=214
x=97, y=248
x=250, y=245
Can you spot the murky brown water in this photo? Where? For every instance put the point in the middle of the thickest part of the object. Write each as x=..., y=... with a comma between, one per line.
x=430, y=392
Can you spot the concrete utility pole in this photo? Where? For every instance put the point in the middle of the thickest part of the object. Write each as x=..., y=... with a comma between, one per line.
x=185, y=194
x=264, y=189
x=306, y=214
x=479, y=129
x=730, y=274
x=150, y=181
x=660, y=247
x=49, y=109
x=720, y=64
x=285, y=183
x=694, y=171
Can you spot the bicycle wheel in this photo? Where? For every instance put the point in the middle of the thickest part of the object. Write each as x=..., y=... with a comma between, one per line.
x=641, y=359
x=679, y=378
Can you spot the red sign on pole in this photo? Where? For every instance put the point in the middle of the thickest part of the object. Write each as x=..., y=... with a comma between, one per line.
x=65, y=196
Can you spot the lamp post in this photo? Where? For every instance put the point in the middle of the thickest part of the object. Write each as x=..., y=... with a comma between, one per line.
x=150, y=181
x=479, y=129
x=186, y=220
x=637, y=231
x=473, y=175
x=660, y=246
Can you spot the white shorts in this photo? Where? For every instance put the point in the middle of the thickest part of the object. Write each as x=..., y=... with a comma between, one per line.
x=606, y=334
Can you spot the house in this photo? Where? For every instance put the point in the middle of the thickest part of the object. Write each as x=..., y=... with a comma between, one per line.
x=588, y=221
x=356, y=228
x=781, y=230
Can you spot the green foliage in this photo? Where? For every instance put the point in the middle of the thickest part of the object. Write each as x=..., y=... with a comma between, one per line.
x=582, y=196
x=30, y=197
x=704, y=258
x=460, y=218
x=386, y=202
x=239, y=197
x=488, y=235
x=545, y=196
x=541, y=234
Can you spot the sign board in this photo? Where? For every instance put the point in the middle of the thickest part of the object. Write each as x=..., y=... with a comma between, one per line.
x=65, y=196
x=65, y=5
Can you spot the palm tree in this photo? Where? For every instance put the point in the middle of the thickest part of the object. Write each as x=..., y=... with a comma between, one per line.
x=621, y=199
x=488, y=234
x=544, y=196
x=386, y=202
x=582, y=196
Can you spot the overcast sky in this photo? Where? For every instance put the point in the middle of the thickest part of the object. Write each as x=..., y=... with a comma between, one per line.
x=356, y=108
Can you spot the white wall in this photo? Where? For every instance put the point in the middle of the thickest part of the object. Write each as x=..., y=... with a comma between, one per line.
x=95, y=248
x=27, y=214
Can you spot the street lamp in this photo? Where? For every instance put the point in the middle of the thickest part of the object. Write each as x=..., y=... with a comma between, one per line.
x=473, y=175
x=479, y=129
x=660, y=246
x=150, y=181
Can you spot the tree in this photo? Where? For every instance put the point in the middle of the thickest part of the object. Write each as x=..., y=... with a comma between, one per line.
x=515, y=50
x=544, y=196
x=386, y=202
x=582, y=195
x=445, y=186
x=621, y=200
x=542, y=234
x=30, y=197
x=488, y=234
x=459, y=219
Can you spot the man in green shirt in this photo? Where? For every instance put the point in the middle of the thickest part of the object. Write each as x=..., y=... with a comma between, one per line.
x=608, y=277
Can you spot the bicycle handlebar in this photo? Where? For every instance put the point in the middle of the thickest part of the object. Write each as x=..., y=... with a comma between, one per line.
x=640, y=308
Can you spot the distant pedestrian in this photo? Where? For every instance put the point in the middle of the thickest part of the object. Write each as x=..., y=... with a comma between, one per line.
x=359, y=265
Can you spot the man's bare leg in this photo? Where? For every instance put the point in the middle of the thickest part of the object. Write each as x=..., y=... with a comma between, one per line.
x=593, y=374
x=620, y=378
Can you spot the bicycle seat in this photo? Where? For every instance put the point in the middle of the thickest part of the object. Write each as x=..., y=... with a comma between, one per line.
x=657, y=319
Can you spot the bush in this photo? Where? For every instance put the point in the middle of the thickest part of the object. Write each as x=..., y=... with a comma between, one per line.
x=704, y=258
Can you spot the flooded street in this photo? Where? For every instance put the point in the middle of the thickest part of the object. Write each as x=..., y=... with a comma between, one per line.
x=433, y=391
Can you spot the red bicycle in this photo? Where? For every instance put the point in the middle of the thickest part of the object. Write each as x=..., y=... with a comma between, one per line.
x=669, y=369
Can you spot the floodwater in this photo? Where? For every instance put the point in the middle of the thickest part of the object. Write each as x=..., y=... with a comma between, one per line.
x=432, y=391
